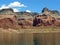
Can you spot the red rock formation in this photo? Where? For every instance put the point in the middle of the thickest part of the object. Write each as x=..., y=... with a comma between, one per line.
x=57, y=22
x=8, y=23
x=26, y=23
x=43, y=20
x=39, y=20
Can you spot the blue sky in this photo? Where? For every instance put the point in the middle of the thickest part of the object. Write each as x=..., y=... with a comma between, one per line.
x=30, y=5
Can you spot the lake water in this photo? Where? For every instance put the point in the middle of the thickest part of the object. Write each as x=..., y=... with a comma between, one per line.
x=29, y=38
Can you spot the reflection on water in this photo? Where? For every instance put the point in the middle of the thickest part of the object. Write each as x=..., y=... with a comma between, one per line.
x=15, y=38
x=29, y=38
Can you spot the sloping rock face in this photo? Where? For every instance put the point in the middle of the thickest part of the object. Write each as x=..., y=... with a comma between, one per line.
x=7, y=11
x=10, y=19
x=57, y=22
x=46, y=20
x=53, y=13
x=8, y=23
x=22, y=19
x=25, y=19
x=25, y=23
x=43, y=20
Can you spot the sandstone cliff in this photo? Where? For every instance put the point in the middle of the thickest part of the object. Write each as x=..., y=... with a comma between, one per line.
x=15, y=20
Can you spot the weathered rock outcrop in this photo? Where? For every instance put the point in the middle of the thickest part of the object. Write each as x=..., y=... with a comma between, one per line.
x=9, y=22
x=10, y=19
x=25, y=23
x=24, y=19
x=53, y=13
x=8, y=11
x=43, y=20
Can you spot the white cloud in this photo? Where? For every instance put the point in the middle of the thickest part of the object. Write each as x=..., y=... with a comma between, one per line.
x=16, y=4
x=15, y=10
x=28, y=11
x=13, y=5
x=4, y=6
